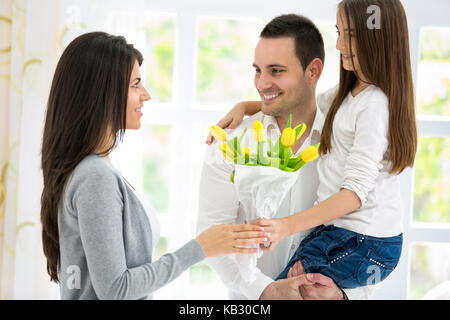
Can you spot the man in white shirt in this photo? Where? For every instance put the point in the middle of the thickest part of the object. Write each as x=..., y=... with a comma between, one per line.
x=288, y=62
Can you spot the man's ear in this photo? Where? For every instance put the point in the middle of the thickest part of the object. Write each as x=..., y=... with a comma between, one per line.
x=314, y=71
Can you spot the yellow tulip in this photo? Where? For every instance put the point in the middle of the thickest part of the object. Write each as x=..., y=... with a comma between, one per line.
x=246, y=150
x=224, y=148
x=258, y=131
x=288, y=137
x=309, y=154
x=218, y=133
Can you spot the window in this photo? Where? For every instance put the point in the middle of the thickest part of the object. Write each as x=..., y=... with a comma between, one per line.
x=429, y=243
x=330, y=73
x=160, y=40
x=430, y=271
x=432, y=180
x=433, y=81
x=198, y=64
x=156, y=166
x=225, y=56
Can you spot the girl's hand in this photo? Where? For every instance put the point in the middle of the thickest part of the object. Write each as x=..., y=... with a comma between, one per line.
x=224, y=239
x=231, y=120
x=277, y=228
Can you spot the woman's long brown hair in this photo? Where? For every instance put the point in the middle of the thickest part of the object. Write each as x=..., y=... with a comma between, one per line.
x=384, y=59
x=87, y=102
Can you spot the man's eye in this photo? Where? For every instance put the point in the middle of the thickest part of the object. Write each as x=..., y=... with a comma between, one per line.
x=257, y=71
x=277, y=70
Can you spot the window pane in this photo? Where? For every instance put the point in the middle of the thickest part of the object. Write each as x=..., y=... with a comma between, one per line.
x=205, y=284
x=225, y=57
x=330, y=74
x=160, y=42
x=433, y=81
x=156, y=161
x=432, y=180
x=153, y=34
x=197, y=152
x=429, y=271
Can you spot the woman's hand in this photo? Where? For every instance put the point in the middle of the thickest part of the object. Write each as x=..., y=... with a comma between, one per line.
x=231, y=120
x=277, y=228
x=224, y=239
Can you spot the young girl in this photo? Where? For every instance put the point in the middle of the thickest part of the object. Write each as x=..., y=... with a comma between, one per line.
x=369, y=137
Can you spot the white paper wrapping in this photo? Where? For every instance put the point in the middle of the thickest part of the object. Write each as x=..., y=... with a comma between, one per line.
x=261, y=191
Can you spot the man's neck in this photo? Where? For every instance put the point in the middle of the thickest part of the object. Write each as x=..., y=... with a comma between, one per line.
x=300, y=114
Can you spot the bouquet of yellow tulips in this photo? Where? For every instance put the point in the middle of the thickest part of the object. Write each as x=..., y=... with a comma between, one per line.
x=278, y=155
x=263, y=179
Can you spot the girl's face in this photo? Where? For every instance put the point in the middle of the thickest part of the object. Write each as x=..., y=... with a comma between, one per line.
x=345, y=32
x=137, y=94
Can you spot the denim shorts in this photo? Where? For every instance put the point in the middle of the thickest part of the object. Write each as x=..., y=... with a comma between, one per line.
x=349, y=258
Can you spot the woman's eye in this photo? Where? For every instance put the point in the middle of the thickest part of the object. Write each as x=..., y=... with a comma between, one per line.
x=136, y=86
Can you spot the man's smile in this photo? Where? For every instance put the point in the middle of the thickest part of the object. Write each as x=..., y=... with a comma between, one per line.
x=270, y=96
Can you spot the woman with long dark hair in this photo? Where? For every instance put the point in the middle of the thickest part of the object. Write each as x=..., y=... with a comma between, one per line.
x=98, y=233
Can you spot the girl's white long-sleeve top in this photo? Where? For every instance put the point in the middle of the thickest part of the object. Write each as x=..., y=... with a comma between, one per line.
x=359, y=161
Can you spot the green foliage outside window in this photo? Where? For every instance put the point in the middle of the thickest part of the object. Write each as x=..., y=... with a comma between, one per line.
x=155, y=188
x=225, y=55
x=431, y=189
x=432, y=186
x=435, y=60
x=155, y=166
x=161, y=45
x=435, y=44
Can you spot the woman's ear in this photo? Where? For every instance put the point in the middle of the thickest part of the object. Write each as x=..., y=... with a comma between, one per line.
x=314, y=71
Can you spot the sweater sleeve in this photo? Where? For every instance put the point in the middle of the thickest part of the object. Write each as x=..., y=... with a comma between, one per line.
x=98, y=204
x=363, y=164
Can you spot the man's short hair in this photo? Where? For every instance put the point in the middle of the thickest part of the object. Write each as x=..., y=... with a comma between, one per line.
x=308, y=40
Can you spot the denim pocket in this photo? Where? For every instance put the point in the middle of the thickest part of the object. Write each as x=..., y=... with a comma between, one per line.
x=345, y=246
x=374, y=268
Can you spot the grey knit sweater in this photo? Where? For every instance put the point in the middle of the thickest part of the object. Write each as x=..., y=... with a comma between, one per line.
x=106, y=239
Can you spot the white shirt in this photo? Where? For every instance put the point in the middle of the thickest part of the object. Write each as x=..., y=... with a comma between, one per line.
x=359, y=161
x=151, y=213
x=218, y=203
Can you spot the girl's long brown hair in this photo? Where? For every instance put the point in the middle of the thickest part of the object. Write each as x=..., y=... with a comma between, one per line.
x=385, y=62
x=87, y=102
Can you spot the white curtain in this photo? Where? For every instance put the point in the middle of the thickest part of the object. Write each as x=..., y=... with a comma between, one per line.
x=33, y=34
x=28, y=55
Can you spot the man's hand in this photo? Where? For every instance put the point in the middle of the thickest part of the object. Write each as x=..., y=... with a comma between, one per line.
x=296, y=270
x=323, y=288
x=285, y=289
